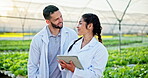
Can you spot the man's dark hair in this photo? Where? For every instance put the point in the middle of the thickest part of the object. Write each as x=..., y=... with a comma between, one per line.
x=48, y=10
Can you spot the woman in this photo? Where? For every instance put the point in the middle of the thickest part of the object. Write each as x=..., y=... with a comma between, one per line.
x=90, y=51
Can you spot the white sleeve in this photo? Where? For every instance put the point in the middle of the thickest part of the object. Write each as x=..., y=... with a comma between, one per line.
x=97, y=67
x=33, y=61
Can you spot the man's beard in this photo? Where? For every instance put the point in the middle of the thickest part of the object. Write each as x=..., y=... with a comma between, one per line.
x=56, y=26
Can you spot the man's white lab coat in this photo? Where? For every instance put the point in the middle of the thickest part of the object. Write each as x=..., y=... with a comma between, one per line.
x=38, y=59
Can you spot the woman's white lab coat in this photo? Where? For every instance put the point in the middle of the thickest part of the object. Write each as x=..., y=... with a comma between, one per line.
x=93, y=58
x=38, y=59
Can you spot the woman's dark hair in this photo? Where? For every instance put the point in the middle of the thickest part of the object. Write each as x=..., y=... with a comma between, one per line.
x=92, y=18
x=48, y=10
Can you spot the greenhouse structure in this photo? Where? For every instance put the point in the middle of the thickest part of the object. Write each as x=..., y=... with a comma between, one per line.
x=124, y=33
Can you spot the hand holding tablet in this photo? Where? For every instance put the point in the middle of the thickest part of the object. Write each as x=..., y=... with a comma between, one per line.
x=67, y=59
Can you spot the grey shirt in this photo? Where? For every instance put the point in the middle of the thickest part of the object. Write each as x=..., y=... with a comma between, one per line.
x=53, y=51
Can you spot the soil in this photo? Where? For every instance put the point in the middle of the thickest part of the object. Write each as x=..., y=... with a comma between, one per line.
x=4, y=76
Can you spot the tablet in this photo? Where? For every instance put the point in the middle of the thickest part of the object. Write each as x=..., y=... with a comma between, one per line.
x=67, y=59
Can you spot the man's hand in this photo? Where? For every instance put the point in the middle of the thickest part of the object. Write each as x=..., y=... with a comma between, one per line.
x=70, y=66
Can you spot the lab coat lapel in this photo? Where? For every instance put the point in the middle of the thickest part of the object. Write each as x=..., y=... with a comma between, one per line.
x=45, y=39
x=89, y=45
x=44, y=35
x=44, y=46
x=64, y=35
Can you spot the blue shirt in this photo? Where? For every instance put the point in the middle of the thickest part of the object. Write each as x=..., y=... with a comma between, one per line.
x=53, y=51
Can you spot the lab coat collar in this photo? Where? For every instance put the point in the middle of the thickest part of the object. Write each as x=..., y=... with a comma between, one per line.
x=91, y=44
x=44, y=35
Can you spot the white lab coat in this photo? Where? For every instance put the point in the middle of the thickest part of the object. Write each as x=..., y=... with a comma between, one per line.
x=93, y=58
x=38, y=59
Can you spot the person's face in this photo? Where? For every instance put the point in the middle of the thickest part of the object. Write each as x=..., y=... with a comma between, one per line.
x=82, y=30
x=56, y=20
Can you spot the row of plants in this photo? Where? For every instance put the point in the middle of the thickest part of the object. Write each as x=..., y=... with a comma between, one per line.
x=15, y=48
x=7, y=43
x=15, y=62
x=130, y=49
x=130, y=63
x=138, y=71
x=110, y=42
x=137, y=55
x=14, y=45
x=115, y=42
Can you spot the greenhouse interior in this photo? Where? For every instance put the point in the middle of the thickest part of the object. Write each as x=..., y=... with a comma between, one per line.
x=124, y=33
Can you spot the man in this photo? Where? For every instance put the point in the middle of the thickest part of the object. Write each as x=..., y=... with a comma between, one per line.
x=51, y=41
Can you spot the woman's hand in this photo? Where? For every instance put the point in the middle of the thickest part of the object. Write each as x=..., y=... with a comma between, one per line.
x=70, y=66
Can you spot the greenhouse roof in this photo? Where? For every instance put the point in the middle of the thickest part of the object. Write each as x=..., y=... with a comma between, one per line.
x=28, y=14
